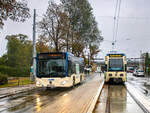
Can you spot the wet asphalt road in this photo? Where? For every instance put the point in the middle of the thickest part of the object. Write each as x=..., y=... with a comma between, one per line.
x=116, y=99
x=33, y=101
x=139, y=83
x=120, y=101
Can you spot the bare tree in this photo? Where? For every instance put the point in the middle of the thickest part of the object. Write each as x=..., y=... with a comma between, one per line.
x=14, y=10
x=55, y=26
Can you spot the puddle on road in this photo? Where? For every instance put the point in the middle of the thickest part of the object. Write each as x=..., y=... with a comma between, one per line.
x=34, y=100
x=121, y=101
x=31, y=101
x=118, y=101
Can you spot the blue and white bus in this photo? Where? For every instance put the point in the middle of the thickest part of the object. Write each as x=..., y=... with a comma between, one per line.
x=59, y=69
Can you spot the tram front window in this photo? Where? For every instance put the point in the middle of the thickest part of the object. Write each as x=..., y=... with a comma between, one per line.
x=115, y=64
x=51, y=68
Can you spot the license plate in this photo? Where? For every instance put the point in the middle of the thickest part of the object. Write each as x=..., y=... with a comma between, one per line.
x=50, y=79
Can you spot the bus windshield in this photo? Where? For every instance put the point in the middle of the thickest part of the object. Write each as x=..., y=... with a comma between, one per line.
x=116, y=65
x=51, y=68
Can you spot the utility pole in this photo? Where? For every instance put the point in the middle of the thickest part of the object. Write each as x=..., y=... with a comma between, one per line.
x=67, y=40
x=34, y=46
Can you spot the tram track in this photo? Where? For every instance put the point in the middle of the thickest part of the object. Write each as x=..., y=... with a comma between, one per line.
x=108, y=103
x=138, y=103
x=118, y=100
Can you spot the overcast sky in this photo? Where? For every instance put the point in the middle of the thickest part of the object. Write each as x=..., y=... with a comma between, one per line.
x=133, y=32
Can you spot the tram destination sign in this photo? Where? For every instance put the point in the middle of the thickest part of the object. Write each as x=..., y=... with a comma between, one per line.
x=116, y=55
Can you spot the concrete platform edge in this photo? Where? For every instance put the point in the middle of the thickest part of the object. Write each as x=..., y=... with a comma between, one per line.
x=92, y=106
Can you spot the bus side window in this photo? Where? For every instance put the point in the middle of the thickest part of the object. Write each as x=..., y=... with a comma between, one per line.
x=81, y=68
x=77, y=68
x=69, y=68
x=73, y=68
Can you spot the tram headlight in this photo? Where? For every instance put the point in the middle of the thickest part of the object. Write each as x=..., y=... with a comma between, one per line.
x=110, y=74
x=121, y=74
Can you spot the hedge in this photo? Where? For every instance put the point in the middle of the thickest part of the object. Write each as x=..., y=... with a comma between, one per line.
x=3, y=79
x=15, y=72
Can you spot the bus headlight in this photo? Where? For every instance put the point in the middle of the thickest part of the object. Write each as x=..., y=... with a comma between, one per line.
x=63, y=82
x=38, y=83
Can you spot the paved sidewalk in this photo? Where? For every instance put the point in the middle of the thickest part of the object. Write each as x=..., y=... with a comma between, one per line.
x=78, y=100
x=8, y=91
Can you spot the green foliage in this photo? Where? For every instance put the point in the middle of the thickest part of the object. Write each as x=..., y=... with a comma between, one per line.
x=15, y=71
x=3, y=60
x=69, y=26
x=19, y=51
x=17, y=60
x=3, y=79
x=84, y=24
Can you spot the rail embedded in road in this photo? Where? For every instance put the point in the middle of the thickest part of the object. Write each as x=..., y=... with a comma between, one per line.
x=116, y=99
x=139, y=98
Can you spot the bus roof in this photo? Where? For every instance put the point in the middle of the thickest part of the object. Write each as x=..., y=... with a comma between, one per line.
x=56, y=53
x=66, y=53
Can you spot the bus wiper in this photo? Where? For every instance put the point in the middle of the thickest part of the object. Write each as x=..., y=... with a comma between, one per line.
x=52, y=73
x=41, y=72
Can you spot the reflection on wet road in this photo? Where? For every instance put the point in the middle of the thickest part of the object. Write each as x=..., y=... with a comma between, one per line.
x=31, y=101
x=35, y=100
x=120, y=101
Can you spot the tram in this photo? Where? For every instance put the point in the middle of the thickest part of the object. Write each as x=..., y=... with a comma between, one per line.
x=115, y=68
x=59, y=69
